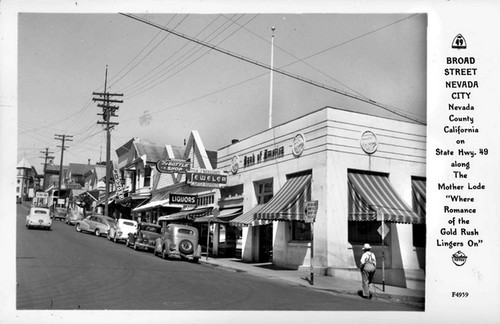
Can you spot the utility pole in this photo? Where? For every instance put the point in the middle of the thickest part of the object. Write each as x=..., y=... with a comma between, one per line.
x=62, y=138
x=46, y=157
x=108, y=111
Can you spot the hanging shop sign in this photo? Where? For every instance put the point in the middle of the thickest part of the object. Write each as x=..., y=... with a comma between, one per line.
x=206, y=178
x=172, y=166
x=298, y=145
x=264, y=156
x=368, y=142
x=182, y=199
x=311, y=211
x=118, y=183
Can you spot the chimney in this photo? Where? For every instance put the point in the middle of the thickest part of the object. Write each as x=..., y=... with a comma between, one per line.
x=234, y=141
x=89, y=161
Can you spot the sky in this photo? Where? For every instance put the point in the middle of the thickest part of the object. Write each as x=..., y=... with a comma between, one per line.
x=171, y=85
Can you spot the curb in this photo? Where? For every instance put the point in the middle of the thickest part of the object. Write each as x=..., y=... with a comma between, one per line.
x=416, y=301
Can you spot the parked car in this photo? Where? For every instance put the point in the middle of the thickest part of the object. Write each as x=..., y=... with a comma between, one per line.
x=178, y=241
x=39, y=217
x=59, y=213
x=121, y=229
x=95, y=223
x=73, y=216
x=145, y=236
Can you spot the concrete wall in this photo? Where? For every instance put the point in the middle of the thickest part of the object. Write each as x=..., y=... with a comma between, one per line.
x=332, y=148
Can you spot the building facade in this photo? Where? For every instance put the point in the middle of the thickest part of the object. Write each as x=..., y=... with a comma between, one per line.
x=367, y=175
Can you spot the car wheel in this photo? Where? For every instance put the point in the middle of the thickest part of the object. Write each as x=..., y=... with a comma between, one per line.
x=114, y=239
x=186, y=247
x=97, y=232
x=77, y=227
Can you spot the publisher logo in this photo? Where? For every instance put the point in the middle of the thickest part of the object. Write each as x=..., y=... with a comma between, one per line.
x=459, y=258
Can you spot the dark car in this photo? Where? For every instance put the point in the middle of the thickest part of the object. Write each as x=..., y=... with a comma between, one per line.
x=180, y=242
x=59, y=213
x=145, y=236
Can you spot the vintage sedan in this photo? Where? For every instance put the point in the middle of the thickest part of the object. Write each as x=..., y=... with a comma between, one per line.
x=178, y=241
x=95, y=223
x=121, y=229
x=145, y=236
x=39, y=217
x=59, y=213
x=73, y=216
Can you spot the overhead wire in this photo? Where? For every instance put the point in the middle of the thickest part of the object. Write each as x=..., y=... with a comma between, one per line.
x=277, y=70
x=180, y=69
x=133, y=86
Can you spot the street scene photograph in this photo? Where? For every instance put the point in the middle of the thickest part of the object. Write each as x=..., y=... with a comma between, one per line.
x=221, y=162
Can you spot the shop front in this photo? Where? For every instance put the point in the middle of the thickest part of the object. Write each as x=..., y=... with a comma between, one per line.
x=367, y=174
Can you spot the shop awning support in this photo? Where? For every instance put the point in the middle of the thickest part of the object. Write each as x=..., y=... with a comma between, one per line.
x=383, y=248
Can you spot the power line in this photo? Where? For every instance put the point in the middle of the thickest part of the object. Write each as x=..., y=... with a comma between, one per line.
x=280, y=71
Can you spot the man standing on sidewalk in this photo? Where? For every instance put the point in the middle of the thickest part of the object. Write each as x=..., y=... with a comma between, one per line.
x=368, y=265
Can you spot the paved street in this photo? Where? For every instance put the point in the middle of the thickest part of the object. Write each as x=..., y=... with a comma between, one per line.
x=63, y=269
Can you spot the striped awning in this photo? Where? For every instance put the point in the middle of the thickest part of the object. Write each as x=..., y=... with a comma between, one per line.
x=418, y=196
x=248, y=218
x=224, y=216
x=186, y=214
x=372, y=197
x=289, y=203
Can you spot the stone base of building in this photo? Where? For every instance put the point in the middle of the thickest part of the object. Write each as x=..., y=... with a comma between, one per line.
x=406, y=278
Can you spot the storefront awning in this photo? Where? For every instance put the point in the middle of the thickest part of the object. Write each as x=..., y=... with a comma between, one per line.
x=372, y=197
x=289, y=203
x=186, y=214
x=248, y=218
x=224, y=216
x=419, y=197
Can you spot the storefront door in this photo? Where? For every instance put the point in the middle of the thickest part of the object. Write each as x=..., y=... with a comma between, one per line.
x=266, y=243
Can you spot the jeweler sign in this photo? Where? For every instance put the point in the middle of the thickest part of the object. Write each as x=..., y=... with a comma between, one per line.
x=172, y=166
x=206, y=178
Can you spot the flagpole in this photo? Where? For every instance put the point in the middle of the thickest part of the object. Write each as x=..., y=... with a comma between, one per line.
x=271, y=81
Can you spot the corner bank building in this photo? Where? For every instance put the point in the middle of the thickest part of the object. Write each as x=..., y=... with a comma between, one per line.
x=367, y=175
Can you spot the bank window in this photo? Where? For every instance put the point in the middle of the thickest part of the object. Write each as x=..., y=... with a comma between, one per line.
x=301, y=231
x=419, y=207
x=364, y=232
x=264, y=191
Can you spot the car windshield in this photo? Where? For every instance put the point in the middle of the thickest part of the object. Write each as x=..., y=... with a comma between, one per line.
x=39, y=211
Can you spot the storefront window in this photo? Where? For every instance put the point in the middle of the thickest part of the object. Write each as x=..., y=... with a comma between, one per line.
x=264, y=191
x=364, y=232
x=147, y=176
x=419, y=206
x=301, y=231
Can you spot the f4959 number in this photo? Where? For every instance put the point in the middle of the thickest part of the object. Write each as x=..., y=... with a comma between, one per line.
x=459, y=294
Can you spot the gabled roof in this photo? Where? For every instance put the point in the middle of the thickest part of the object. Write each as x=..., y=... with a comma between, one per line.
x=79, y=169
x=153, y=152
x=24, y=164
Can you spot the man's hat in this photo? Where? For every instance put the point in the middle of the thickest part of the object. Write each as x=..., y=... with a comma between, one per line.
x=366, y=246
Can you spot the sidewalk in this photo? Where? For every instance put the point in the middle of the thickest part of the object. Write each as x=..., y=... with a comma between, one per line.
x=325, y=283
